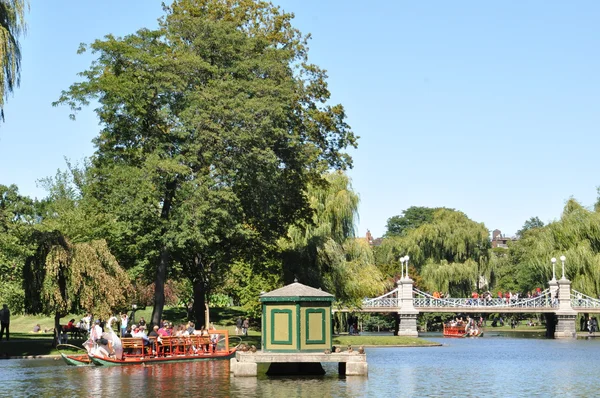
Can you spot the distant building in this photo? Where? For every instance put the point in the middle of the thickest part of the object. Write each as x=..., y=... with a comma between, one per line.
x=499, y=240
x=373, y=242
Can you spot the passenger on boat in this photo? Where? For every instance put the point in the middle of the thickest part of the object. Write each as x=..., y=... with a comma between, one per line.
x=154, y=332
x=214, y=338
x=164, y=330
x=137, y=332
x=191, y=327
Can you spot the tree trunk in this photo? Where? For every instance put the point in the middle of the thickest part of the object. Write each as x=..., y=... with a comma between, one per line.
x=199, y=308
x=57, y=330
x=159, y=286
x=163, y=263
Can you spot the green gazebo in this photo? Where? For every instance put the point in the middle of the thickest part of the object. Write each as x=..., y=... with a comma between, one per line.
x=296, y=318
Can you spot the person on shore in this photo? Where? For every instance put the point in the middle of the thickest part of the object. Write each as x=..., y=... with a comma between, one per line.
x=124, y=320
x=238, y=325
x=245, y=327
x=4, y=321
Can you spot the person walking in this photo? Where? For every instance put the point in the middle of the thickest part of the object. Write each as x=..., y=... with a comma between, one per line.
x=4, y=321
x=245, y=327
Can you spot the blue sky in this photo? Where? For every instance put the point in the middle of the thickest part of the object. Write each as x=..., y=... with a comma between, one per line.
x=489, y=107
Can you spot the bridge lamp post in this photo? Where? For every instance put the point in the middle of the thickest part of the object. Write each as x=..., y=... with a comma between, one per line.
x=406, y=258
x=562, y=260
x=402, y=267
x=553, y=260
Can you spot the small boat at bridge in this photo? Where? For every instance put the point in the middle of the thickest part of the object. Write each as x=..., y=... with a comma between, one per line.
x=461, y=330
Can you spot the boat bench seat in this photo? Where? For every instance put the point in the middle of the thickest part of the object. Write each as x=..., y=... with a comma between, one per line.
x=133, y=347
x=186, y=345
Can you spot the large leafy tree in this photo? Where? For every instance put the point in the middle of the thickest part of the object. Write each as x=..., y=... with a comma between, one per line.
x=63, y=277
x=450, y=253
x=213, y=125
x=411, y=218
x=18, y=215
x=533, y=222
x=577, y=236
x=12, y=25
x=325, y=252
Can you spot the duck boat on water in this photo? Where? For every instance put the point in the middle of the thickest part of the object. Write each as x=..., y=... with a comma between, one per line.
x=461, y=331
x=137, y=350
x=111, y=350
x=171, y=350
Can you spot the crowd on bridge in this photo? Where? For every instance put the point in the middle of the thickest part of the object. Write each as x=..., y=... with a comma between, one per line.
x=487, y=298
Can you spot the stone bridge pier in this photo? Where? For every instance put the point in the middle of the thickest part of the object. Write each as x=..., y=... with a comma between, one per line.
x=407, y=315
x=565, y=315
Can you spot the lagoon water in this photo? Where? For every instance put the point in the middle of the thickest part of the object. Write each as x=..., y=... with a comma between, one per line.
x=491, y=366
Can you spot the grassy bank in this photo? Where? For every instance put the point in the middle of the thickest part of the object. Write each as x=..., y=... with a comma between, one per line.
x=368, y=340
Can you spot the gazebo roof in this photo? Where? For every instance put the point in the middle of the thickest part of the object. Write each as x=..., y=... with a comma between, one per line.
x=297, y=292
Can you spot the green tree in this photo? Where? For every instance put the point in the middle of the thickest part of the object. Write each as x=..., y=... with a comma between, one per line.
x=12, y=25
x=450, y=253
x=213, y=126
x=61, y=277
x=18, y=215
x=577, y=236
x=533, y=222
x=411, y=218
x=325, y=252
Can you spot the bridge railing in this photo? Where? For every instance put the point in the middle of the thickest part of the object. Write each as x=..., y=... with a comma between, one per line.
x=581, y=300
x=426, y=300
x=387, y=300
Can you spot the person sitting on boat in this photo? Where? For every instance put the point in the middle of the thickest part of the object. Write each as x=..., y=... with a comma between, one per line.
x=154, y=332
x=191, y=327
x=164, y=330
x=214, y=338
x=137, y=332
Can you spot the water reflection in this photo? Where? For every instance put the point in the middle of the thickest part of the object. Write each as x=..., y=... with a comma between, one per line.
x=489, y=366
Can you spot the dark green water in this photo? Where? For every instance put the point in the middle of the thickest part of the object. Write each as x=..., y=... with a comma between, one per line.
x=492, y=366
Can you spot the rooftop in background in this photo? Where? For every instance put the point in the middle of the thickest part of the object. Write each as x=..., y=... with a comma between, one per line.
x=499, y=240
x=373, y=242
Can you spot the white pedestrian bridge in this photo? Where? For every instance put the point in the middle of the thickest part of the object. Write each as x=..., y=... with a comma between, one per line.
x=425, y=302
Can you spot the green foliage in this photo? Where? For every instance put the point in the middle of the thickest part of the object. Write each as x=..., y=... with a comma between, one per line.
x=411, y=218
x=577, y=236
x=245, y=283
x=325, y=253
x=213, y=125
x=449, y=253
x=533, y=222
x=62, y=277
x=19, y=216
x=11, y=293
x=12, y=25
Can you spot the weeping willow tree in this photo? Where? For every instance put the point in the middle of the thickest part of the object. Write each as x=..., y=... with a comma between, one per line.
x=12, y=25
x=577, y=236
x=62, y=278
x=326, y=253
x=449, y=254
